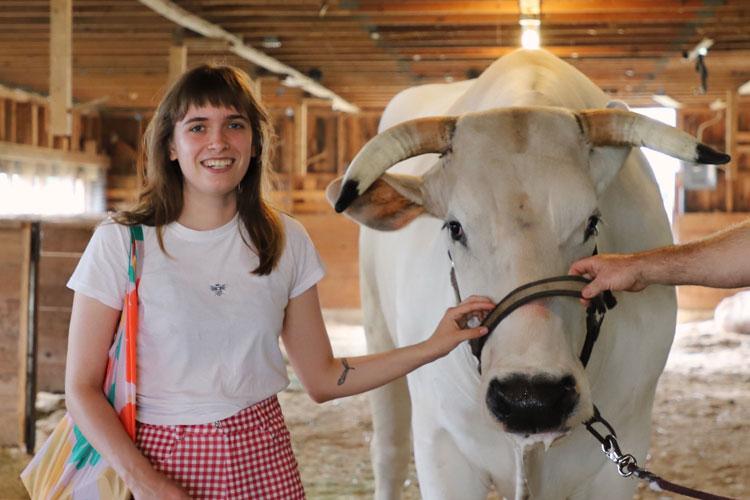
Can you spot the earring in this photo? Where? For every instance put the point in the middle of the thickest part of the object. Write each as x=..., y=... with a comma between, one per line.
x=239, y=188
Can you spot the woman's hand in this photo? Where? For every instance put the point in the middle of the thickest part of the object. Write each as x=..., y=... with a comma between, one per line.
x=454, y=329
x=158, y=487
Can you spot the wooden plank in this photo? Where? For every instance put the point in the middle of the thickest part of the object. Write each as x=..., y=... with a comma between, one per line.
x=177, y=61
x=75, y=135
x=340, y=145
x=11, y=123
x=52, y=348
x=61, y=66
x=2, y=119
x=730, y=134
x=36, y=154
x=336, y=239
x=300, y=139
x=13, y=304
x=34, y=118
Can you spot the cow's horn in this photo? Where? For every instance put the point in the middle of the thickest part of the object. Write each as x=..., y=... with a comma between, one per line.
x=402, y=141
x=615, y=127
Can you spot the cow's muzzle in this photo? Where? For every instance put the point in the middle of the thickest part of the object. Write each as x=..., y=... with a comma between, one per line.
x=532, y=405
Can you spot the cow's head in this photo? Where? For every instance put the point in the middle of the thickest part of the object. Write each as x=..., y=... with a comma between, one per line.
x=517, y=189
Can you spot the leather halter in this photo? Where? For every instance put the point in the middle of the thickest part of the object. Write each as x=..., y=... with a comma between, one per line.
x=565, y=286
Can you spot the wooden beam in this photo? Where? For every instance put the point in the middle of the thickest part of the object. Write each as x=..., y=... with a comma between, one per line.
x=730, y=147
x=186, y=19
x=37, y=155
x=61, y=66
x=177, y=62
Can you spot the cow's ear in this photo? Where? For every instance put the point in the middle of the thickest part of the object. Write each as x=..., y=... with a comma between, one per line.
x=605, y=163
x=390, y=203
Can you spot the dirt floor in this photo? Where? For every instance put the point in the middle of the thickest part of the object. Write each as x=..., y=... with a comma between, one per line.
x=701, y=432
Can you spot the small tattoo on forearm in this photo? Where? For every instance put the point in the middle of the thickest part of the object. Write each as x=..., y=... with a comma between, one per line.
x=342, y=378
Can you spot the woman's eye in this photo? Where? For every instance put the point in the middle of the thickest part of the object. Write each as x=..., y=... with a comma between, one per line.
x=457, y=232
x=196, y=128
x=592, y=228
x=237, y=125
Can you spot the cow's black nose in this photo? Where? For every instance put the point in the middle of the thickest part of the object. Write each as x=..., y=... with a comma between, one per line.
x=528, y=405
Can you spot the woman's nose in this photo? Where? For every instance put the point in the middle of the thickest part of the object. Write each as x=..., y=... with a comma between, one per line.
x=217, y=141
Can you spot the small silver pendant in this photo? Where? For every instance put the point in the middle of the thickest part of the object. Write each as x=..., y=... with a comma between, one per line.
x=219, y=289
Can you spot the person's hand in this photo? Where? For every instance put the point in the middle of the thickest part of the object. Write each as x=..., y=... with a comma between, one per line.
x=615, y=272
x=453, y=328
x=158, y=487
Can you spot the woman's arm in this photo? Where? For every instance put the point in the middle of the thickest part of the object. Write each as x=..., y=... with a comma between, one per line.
x=720, y=261
x=92, y=327
x=325, y=377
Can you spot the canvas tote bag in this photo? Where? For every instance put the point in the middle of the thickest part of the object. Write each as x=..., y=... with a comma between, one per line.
x=67, y=466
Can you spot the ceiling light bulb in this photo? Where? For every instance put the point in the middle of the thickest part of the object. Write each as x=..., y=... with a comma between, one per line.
x=530, y=37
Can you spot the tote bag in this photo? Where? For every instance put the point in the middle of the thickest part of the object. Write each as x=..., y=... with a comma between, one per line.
x=67, y=466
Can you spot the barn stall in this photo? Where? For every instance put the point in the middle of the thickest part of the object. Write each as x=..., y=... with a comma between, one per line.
x=78, y=83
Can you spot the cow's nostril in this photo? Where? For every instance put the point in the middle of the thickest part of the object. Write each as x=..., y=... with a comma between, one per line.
x=568, y=382
x=530, y=405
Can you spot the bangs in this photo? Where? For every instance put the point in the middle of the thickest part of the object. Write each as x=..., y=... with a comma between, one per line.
x=219, y=87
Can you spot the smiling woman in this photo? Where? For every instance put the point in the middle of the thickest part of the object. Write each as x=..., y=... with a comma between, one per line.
x=220, y=277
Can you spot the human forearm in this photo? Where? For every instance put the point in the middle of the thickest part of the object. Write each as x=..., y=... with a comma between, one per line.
x=100, y=425
x=325, y=377
x=354, y=375
x=720, y=261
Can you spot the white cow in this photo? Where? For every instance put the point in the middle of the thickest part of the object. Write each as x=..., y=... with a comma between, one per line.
x=514, y=196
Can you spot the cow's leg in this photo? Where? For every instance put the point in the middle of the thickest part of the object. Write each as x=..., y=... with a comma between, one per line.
x=443, y=471
x=390, y=448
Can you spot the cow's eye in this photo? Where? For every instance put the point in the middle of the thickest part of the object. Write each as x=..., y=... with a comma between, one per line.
x=592, y=227
x=457, y=232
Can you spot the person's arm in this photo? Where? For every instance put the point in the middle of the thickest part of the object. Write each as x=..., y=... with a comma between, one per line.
x=325, y=377
x=92, y=327
x=719, y=261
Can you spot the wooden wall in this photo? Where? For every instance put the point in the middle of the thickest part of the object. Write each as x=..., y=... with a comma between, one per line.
x=715, y=135
x=337, y=239
x=14, y=286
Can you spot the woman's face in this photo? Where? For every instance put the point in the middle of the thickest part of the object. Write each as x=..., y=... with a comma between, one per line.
x=213, y=146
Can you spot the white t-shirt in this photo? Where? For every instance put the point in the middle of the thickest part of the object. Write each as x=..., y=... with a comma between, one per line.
x=208, y=337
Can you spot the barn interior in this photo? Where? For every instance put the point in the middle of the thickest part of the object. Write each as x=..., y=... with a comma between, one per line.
x=79, y=80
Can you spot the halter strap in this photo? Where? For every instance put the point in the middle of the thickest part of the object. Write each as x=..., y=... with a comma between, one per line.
x=558, y=286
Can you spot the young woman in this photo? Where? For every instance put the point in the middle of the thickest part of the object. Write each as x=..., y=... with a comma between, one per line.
x=224, y=276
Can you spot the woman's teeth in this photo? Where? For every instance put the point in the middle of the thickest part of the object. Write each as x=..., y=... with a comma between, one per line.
x=217, y=164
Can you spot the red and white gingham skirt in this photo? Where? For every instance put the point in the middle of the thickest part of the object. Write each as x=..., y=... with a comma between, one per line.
x=248, y=455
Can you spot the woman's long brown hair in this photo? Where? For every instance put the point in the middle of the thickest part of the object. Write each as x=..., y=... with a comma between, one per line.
x=160, y=200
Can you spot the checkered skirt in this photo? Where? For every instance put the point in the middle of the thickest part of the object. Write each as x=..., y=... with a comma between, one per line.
x=248, y=455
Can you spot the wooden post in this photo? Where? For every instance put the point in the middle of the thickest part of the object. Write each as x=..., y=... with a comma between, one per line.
x=34, y=124
x=730, y=147
x=300, y=139
x=61, y=66
x=177, y=62
x=12, y=132
x=32, y=245
x=15, y=264
x=2, y=120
